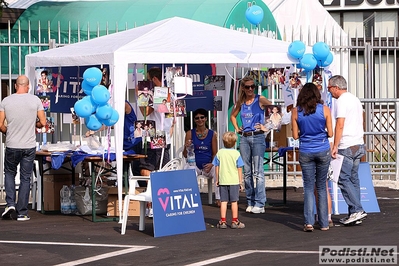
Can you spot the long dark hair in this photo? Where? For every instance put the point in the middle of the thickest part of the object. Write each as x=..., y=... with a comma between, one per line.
x=308, y=99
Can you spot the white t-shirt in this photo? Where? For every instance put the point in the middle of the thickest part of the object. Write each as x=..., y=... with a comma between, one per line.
x=348, y=106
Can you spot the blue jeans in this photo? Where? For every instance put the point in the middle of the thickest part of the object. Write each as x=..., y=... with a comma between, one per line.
x=348, y=180
x=314, y=170
x=252, y=149
x=25, y=158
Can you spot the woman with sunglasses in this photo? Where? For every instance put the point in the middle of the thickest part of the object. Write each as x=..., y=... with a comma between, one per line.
x=205, y=146
x=252, y=142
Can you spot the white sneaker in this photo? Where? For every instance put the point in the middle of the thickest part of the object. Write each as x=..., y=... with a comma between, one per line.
x=7, y=212
x=150, y=213
x=354, y=217
x=258, y=210
x=249, y=208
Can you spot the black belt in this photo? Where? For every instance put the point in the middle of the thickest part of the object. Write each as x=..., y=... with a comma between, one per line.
x=251, y=133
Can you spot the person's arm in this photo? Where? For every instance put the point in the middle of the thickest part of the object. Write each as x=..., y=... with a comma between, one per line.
x=339, y=128
x=240, y=178
x=208, y=166
x=41, y=122
x=187, y=141
x=294, y=124
x=217, y=175
x=263, y=101
x=327, y=115
x=233, y=117
x=3, y=127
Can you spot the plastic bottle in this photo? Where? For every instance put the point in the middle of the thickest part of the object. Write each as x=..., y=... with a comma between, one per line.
x=72, y=200
x=65, y=196
x=191, y=155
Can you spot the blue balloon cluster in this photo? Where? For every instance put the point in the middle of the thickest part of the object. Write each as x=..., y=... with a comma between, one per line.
x=94, y=107
x=321, y=56
x=254, y=14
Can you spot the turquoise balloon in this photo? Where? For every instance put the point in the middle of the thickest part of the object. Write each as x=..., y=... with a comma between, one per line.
x=254, y=14
x=86, y=88
x=92, y=76
x=83, y=108
x=327, y=61
x=92, y=123
x=296, y=49
x=93, y=104
x=104, y=112
x=308, y=62
x=320, y=51
x=112, y=121
x=100, y=95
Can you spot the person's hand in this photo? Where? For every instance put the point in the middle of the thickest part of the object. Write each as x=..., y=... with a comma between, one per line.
x=241, y=188
x=207, y=167
x=89, y=133
x=334, y=152
x=188, y=143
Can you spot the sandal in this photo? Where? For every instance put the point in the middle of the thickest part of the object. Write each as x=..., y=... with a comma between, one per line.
x=324, y=228
x=308, y=228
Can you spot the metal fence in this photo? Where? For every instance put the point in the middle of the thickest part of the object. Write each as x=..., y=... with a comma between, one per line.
x=372, y=76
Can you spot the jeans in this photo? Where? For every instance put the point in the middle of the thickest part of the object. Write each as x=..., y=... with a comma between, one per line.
x=25, y=158
x=252, y=149
x=348, y=180
x=314, y=170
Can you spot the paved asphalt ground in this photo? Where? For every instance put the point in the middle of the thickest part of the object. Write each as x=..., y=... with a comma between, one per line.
x=272, y=238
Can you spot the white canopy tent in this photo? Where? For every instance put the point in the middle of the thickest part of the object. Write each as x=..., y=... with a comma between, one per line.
x=174, y=40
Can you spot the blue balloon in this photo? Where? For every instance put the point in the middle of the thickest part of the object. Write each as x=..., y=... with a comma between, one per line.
x=86, y=88
x=320, y=51
x=93, y=104
x=254, y=14
x=100, y=95
x=298, y=65
x=112, y=121
x=327, y=61
x=92, y=123
x=104, y=112
x=92, y=76
x=83, y=108
x=308, y=62
x=296, y=49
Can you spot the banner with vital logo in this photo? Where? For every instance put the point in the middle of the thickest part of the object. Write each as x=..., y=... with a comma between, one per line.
x=176, y=203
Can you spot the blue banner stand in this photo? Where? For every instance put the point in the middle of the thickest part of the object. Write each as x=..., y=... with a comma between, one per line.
x=367, y=192
x=176, y=203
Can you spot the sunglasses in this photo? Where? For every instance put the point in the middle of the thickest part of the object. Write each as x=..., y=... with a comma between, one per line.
x=249, y=86
x=199, y=117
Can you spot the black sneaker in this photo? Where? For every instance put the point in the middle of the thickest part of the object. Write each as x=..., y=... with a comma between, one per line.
x=22, y=218
x=7, y=212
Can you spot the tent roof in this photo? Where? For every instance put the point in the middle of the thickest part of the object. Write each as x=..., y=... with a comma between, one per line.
x=310, y=22
x=129, y=13
x=169, y=41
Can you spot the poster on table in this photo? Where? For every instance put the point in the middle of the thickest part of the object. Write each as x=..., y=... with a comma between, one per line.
x=201, y=98
x=61, y=86
x=176, y=203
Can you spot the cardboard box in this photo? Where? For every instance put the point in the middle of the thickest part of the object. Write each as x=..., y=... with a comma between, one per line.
x=52, y=185
x=280, y=136
x=113, y=203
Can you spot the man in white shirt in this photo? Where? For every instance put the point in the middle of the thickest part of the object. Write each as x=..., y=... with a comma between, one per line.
x=348, y=141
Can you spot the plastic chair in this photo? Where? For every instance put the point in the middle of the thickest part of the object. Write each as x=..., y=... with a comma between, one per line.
x=144, y=197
